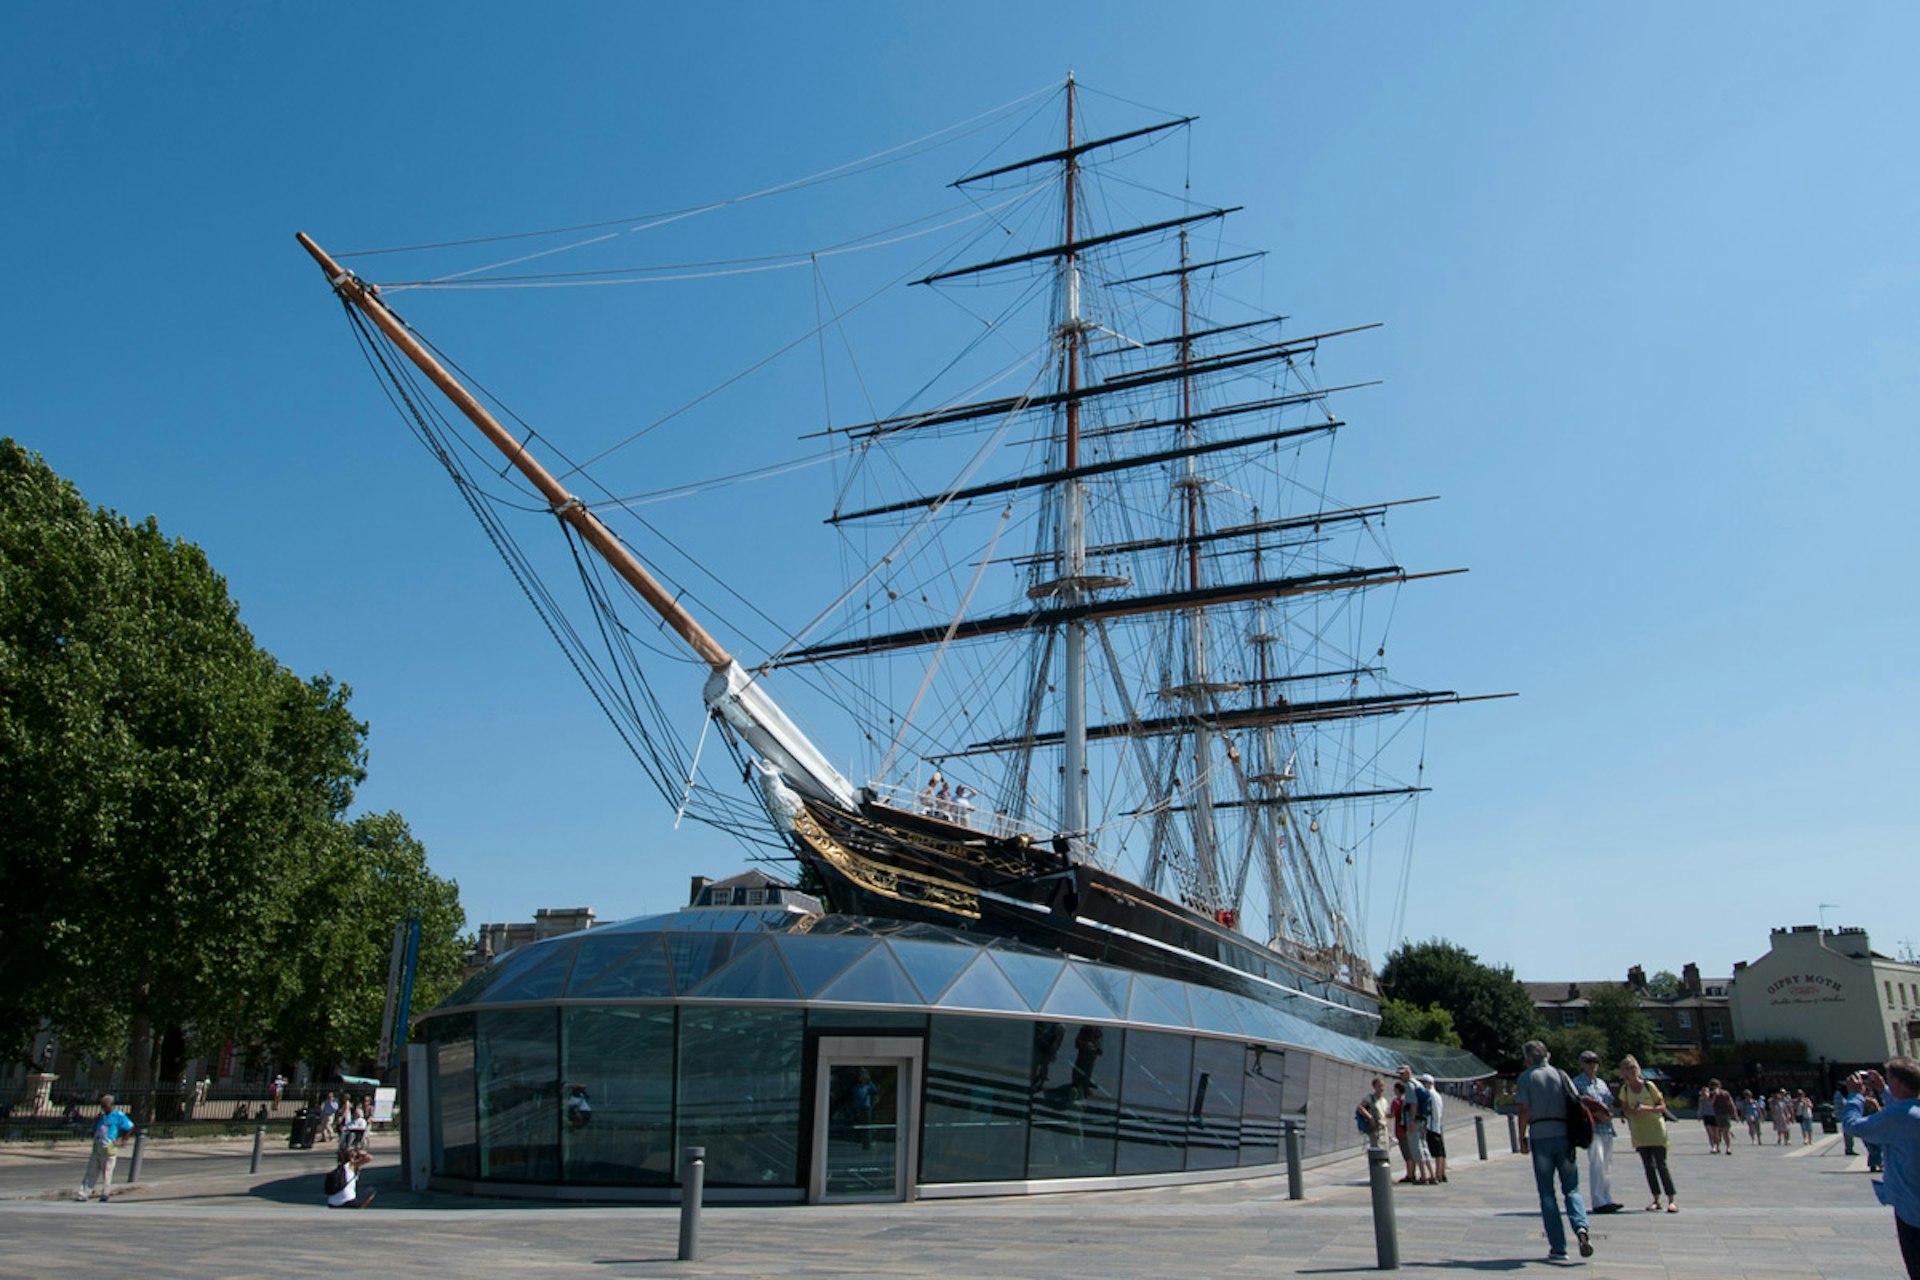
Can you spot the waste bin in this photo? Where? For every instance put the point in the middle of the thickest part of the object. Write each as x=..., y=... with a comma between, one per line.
x=1828, y=1124
x=304, y=1124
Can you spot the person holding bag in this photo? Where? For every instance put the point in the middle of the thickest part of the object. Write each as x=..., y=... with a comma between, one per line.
x=1646, y=1111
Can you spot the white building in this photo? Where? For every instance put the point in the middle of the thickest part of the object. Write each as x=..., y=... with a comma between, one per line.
x=1830, y=989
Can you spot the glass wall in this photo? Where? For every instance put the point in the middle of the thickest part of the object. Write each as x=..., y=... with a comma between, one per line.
x=1153, y=1102
x=608, y=1095
x=979, y=1074
x=1076, y=1099
x=617, y=1115
x=453, y=1134
x=740, y=1088
x=519, y=1095
x=1213, y=1136
x=1260, y=1106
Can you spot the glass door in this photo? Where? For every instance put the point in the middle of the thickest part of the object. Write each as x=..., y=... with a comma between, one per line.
x=863, y=1130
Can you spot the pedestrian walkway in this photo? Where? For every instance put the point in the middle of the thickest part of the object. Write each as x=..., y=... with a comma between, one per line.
x=1800, y=1212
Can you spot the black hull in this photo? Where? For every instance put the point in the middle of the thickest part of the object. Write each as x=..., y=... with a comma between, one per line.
x=884, y=862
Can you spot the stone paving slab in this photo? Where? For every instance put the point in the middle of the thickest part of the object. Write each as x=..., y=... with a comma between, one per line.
x=1765, y=1214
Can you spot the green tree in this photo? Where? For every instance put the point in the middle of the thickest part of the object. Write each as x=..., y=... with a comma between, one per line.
x=1566, y=1044
x=1402, y=1020
x=1665, y=984
x=375, y=877
x=174, y=797
x=1616, y=1014
x=1492, y=1012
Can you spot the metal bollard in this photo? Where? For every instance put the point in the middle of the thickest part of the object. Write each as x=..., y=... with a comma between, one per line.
x=1294, y=1189
x=693, y=1185
x=1386, y=1233
x=1480, y=1134
x=139, y=1154
x=259, y=1140
x=1513, y=1134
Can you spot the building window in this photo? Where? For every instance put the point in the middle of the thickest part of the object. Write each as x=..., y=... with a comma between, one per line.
x=1888, y=984
x=1568, y=1018
x=1713, y=1029
x=1683, y=1019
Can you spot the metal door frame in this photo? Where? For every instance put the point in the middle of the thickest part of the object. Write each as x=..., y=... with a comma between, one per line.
x=907, y=1053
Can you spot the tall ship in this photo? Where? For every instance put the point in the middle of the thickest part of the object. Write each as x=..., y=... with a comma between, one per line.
x=1107, y=659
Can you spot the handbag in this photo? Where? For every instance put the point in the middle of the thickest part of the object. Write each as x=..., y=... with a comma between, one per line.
x=1579, y=1119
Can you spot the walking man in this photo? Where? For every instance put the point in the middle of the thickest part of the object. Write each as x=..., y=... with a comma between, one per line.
x=1598, y=1099
x=1895, y=1129
x=1543, y=1094
x=112, y=1125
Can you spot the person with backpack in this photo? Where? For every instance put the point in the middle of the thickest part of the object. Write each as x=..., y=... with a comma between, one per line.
x=1418, y=1109
x=343, y=1184
x=1545, y=1098
x=1370, y=1116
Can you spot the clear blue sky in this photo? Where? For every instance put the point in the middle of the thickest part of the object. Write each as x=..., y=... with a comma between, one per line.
x=1648, y=277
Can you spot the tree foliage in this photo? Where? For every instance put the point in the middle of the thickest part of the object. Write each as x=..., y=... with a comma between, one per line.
x=1403, y=1020
x=1492, y=1012
x=1616, y=1014
x=1665, y=984
x=376, y=878
x=172, y=795
x=1566, y=1044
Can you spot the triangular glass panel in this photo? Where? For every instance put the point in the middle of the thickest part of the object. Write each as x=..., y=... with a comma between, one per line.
x=696, y=955
x=1172, y=994
x=817, y=959
x=931, y=965
x=1032, y=976
x=639, y=971
x=1112, y=984
x=1213, y=1011
x=983, y=986
x=829, y=926
x=875, y=978
x=1148, y=1007
x=1073, y=997
x=755, y=974
x=599, y=951
x=541, y=978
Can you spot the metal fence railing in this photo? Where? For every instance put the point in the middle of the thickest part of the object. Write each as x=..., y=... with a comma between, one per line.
x=31, y=1110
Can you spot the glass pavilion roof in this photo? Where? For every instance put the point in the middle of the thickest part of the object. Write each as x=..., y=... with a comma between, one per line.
x=786, y=955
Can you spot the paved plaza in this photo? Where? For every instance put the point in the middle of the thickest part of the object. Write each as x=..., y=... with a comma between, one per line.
x=1795, y=1212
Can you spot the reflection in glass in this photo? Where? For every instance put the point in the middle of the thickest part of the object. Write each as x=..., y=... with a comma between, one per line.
x=542, y=978
x=740, y=1093
x=1076, y=1099
x=863, y=1129
x=519, y=1095
x=617, y=1116
x=454, y=1135
x=1260, y=1106
x=979, y=1073
x=1154, y=1102
x=617, y=965
x=1213, y=1136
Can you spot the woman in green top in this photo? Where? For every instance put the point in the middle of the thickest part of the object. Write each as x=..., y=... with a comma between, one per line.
x=1646, y=1112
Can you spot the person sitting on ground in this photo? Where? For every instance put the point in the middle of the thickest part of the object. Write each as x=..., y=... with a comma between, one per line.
x=343, y=1184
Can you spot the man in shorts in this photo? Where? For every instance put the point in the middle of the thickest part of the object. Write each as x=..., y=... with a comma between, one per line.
x=1436, y=1140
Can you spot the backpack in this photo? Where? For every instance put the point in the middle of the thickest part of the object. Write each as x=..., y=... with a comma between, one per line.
x=337, y=1180
x=1361, y=1115
x=1422, y=1104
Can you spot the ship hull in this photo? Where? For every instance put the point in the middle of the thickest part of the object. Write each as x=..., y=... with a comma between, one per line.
x=886, y=862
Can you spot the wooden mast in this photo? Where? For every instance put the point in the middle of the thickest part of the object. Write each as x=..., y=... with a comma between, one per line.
x=365, y=298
